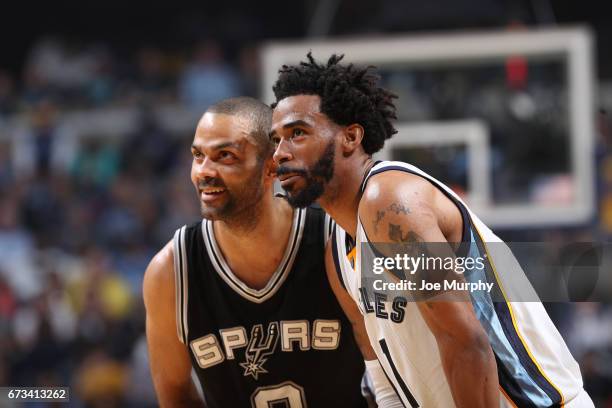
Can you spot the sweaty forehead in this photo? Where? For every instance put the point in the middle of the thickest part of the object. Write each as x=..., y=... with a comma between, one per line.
x=221, y=123
x=298, y=107
x=220, y=127
x=228, y=122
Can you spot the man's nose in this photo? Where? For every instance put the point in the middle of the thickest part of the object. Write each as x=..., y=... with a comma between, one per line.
x=207, y=169
x=282, y=152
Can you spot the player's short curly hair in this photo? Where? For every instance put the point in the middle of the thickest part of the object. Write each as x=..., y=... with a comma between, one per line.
x=348, y=95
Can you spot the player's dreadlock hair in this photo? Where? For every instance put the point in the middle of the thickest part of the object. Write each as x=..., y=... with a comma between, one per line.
x=348, y=95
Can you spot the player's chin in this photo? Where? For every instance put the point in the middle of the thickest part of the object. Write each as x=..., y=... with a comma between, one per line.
x=212, y=212
x=300, y=199
x=293, y=189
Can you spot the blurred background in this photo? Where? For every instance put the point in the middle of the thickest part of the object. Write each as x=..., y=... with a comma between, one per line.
x=98, y=104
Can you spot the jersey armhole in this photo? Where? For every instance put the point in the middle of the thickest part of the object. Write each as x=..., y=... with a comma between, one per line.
x=180, y=284
x=328, y=229
x=335, y=256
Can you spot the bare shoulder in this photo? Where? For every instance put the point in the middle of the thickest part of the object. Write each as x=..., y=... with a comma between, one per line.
x=394, y=184
x=397, y=205
x=159, y=276
x=397, y=193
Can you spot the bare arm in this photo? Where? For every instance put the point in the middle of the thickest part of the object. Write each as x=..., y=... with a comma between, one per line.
x=170, y=364
x=402, y=208
x=348, y=306
x=384, y=393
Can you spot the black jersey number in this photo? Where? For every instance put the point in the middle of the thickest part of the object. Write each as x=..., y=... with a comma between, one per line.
x=283, y=395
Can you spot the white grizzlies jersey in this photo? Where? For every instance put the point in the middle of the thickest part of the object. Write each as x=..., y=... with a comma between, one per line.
x=535, y=368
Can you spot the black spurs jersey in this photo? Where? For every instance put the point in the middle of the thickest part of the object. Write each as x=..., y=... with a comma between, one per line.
x=286, y=345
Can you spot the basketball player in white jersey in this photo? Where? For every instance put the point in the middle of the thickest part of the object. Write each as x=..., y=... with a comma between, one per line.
x=241, y=297
x=328, y=120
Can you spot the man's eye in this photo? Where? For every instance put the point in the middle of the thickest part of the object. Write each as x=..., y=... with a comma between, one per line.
x=197, y=155
x=226, y=155
x=298, y=132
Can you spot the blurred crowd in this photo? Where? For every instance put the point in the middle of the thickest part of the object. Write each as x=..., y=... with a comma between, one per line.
x=82, y=215
x=82, y=76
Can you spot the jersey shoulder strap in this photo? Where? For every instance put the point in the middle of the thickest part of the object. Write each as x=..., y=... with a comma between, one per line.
x=337, y=237
x=181, y=283
x=319, y=224
x=329, y=224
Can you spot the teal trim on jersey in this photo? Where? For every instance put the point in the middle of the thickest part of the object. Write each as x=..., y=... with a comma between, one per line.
x=504, y=351
x=519, y=376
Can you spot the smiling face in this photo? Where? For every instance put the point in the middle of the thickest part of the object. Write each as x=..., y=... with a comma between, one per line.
x=305, y=141
x=228, y=171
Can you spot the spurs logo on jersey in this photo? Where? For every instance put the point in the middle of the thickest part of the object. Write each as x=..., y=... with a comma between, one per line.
x=285, y=344
x=259, y=348
x=294, y=335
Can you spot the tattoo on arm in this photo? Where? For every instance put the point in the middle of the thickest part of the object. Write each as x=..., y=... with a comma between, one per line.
x=399, y=208
x=397, y=235
x=379, y=216
x=396, y=208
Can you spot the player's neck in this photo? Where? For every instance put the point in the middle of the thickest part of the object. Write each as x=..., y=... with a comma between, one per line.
x=268, y=235
x=262, y=223
x=342, y=195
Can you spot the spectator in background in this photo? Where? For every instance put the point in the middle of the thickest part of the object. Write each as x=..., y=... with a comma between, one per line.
x=6, y=167
x=101, y=381
x=102, y=85
x=603, y=161
x=8, y=304
x=152, y=79
x=66, y=67
x=35, y=88
x=43, y=63
x=142, y=392
x=96, y=163
x=208, y=78
x=597, y=376
x=182, y=210
x=119, y=223
x=41, y=352
x=43, y=146
x=154, y=145
x=593, y=318
x=17, y=249
x=99, y=296
x=43, y=207
x=594, y=351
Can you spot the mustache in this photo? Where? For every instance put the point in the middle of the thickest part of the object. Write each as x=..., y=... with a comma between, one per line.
x=211, y=182
x=288, y=170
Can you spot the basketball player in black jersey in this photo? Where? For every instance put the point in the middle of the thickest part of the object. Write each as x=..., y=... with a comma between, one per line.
x=242, y=296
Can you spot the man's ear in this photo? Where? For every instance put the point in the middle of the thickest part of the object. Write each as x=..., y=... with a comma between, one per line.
x=270, y=169
x=351, y=138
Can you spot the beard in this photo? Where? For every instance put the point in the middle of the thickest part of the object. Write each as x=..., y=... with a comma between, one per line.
x=315, y=177
x=242, y=203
